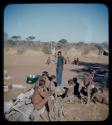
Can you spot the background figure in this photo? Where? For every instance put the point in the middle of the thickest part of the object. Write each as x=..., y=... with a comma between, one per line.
x=48, y=60
x=59, y=68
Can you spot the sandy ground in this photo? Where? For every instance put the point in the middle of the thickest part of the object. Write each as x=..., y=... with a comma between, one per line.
x=20, y=66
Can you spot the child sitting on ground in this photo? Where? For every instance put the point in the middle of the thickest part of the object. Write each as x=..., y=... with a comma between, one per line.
x=48, y=60
x=98, y=96
x=76, y=88
x=70, y=92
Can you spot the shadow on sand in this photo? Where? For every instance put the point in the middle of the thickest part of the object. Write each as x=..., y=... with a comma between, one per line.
x=101, y=75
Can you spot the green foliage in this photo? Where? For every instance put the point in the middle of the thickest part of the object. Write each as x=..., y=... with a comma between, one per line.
x=30, y=38
x=63, y=41
x=16, y=38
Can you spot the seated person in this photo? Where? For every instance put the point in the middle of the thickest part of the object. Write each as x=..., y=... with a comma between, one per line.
x=98, y=96
x=70, y=91
x=76, y=88
x=84, y=91
x=52, y=83
x=41, y=95
x=88, y=77
x=68, y=60
x=48, y=61
x=45, y=76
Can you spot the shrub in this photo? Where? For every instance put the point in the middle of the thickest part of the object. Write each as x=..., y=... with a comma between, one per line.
x=46, y=50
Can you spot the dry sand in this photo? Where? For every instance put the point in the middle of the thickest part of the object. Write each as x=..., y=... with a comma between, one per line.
x=20, y=66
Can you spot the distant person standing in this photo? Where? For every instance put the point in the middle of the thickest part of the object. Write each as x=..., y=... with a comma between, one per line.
x=59, y=68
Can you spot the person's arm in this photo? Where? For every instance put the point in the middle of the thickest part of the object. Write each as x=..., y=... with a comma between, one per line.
x=63, y=62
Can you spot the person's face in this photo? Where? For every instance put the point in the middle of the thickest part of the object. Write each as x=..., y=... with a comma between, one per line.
x=44, y=77
x=59, y=54
x=54, y=79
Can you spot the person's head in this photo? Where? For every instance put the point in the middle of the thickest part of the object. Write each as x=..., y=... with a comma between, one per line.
x=100, y=90
x=74, y=79
x=70, y=82
x=45, y=73
x=53, y=78
x=59, y=53
x=44, y=76
x=94, y=90
x=41, y=82
x=91, y=71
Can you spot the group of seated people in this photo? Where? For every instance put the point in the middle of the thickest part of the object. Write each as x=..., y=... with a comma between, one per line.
x=45, y=88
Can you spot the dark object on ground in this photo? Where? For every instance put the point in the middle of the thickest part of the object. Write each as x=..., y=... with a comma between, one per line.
x=105, y=53
x=32, y=80
x=64, y=94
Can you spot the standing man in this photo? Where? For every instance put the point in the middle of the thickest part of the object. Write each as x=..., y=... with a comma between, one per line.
x=59, y=68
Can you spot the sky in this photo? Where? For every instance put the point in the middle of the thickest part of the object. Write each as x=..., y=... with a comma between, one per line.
x=52, y=22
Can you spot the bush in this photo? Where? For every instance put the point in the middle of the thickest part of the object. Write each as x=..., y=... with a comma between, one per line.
x=85, y=52
x=46, y=50
x=20, y=51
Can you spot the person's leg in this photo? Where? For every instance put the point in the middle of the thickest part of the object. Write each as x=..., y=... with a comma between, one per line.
x=59, y=76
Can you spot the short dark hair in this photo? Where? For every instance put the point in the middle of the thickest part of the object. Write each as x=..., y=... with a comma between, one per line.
x=74, y=79
x=45, y=73
x=41, y=82
x=101, y=90
x=59, y=52
x=70, y=81
x=53, y=76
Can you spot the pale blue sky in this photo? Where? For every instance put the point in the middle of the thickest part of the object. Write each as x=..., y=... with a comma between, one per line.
x=52, y=22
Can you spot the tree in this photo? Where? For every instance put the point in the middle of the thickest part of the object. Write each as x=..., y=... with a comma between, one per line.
x=30, y=38
x=16, y=38
x=63, y=41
